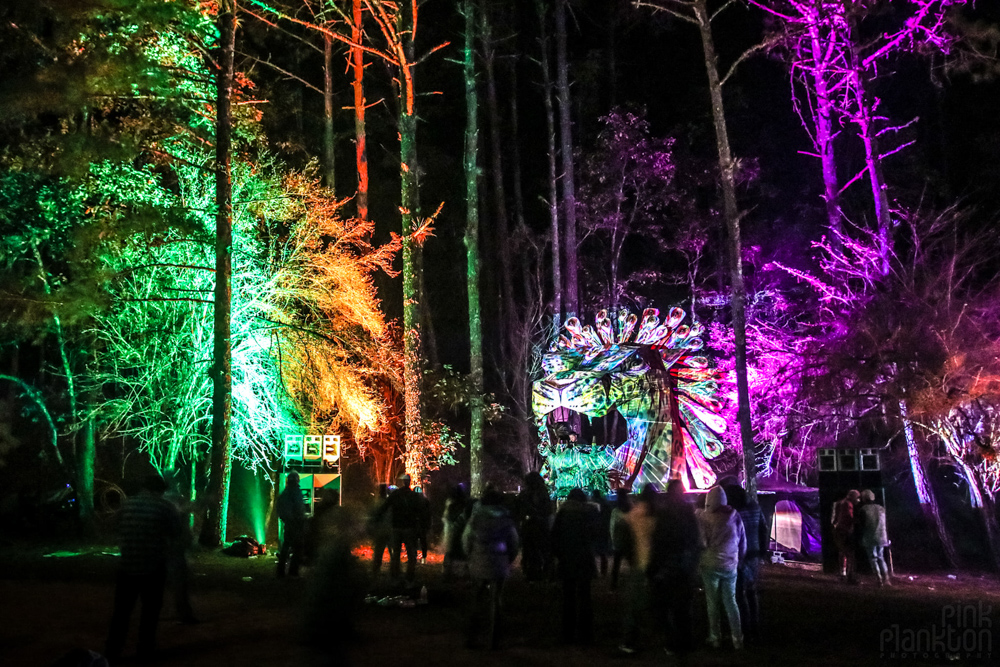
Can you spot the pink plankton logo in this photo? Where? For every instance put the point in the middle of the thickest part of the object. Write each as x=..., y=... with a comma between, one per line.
x=963, y=632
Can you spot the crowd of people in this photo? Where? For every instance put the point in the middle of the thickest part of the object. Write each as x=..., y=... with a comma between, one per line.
x=657, y=547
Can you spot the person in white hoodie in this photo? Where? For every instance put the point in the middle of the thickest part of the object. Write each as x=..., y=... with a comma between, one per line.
x=724, y=543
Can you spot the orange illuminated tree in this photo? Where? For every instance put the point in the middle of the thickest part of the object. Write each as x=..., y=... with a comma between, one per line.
x=397, y=24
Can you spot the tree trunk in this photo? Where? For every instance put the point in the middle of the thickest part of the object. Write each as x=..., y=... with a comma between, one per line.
x=988, y=512
x=214, y=533
x=550, y=135
x=612, y=27
x=412, y=361
x=64, y=360
x=985, y=508
x=531, y=308
x=866, y=120
x=737, y=289
x=36, y=397
x=501, y=226
x=880, y=195
x=522, y=348
x=329, y=179
x=824, y=128
x=925, y=492
x=85, y=463
x=571, y=293
x=472, y=251
x=515, y=149
x=360, y=149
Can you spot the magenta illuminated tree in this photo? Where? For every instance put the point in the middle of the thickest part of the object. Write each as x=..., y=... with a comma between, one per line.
x=837, y=58
x=901, y=347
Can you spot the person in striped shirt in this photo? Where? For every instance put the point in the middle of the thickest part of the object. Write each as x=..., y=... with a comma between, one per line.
x=147, y=527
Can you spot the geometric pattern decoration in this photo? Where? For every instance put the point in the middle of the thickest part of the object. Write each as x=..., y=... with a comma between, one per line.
x=647, y=369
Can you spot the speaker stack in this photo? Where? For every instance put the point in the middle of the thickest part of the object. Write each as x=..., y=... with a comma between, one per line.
x=841, y=470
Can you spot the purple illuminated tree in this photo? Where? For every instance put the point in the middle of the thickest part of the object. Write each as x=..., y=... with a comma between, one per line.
x=886, y=347
x=626, y=188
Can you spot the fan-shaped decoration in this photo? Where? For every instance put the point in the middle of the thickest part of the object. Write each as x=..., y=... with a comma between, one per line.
x=645, y=369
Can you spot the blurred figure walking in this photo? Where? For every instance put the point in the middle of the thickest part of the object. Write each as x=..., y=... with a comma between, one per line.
x=337, y=585
x=491, y=541
x=641, y=522
x=621, y=538
x=603, y=537
x=573, y=539
x=534, y=508
x=178, y=573
x=456, y=510
x=673, y=568
x=756, y=529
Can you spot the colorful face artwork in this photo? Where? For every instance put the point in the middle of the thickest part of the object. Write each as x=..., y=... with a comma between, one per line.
x=648, y=372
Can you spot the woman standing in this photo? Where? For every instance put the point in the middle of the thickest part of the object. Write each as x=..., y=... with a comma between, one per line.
x=725, y=543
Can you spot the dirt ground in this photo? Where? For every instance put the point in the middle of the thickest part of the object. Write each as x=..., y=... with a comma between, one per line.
x=49, y=605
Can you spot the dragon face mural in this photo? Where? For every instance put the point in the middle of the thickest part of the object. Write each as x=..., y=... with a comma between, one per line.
x=649, y=373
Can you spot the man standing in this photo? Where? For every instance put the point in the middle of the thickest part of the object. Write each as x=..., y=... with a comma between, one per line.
x=380, y=530
x=843, y=533
x=423, y=522
x=874, y=538
x=292, y=514
x=404, y=509
x=147, y=529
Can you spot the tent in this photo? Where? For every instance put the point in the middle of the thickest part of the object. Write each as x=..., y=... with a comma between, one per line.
x=795, y=519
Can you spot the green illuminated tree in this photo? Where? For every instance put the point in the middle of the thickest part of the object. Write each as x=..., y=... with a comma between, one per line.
x=472, y=262
x=82, y=95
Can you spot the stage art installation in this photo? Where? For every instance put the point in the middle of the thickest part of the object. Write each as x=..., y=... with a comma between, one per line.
x=650, y=374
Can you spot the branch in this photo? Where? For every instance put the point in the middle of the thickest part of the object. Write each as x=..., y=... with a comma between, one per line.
x=766, y=44
x=850, y=182
x=287, y=73
x=167, y=264
x=672, y=12
x=324, y=30
x=35, y=396
x=897, y=149
x=163, y=298
x=720, y=9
